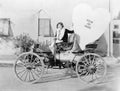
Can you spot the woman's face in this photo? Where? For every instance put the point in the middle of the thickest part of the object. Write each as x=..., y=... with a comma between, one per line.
x=60, y=26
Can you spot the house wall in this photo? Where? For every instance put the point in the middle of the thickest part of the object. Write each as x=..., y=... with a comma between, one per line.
x=24, y=13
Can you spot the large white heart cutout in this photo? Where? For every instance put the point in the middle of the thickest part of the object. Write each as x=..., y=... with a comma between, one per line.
x=89, y=24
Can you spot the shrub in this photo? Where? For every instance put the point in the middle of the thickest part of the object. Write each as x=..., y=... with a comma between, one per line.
x=24, y=42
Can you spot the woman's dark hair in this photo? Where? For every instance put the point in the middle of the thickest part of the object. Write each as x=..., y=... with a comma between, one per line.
x=60, y=24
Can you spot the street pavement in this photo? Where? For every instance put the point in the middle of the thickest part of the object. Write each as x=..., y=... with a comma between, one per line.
x=9, y=82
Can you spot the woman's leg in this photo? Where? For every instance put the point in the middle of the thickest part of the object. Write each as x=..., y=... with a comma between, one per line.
x=52, y=47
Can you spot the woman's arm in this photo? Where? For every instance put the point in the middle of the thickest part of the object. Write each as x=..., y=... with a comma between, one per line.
x=55, y=34
x=70, y=31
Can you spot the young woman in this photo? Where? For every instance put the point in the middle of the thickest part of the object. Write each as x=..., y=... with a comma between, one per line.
x=61, y=35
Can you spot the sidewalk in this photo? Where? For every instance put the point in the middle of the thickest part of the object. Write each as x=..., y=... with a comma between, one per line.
x=112, y=61
x=6, y=61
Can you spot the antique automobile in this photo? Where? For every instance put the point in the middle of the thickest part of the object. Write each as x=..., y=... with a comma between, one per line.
x=31, y=66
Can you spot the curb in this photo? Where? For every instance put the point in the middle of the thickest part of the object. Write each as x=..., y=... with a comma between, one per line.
x=4, y=63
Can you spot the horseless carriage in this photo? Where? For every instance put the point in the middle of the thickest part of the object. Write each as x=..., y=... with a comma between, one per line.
x=86, y=64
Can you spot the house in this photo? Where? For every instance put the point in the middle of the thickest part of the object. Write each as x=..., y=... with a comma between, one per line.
x=115, y=27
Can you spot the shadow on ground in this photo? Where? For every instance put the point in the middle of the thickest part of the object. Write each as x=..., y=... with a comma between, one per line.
x=98, y=88
x=55, y=77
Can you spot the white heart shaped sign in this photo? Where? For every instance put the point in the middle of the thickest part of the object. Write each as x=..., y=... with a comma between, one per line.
x=89, y=24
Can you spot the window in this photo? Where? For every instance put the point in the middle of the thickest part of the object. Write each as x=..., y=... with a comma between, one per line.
x=44, y=27
x=116, y=26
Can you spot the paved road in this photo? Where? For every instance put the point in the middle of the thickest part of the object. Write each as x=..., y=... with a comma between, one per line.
x=9, y=82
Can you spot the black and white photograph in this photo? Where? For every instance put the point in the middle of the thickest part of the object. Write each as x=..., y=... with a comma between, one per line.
x=59, y=45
